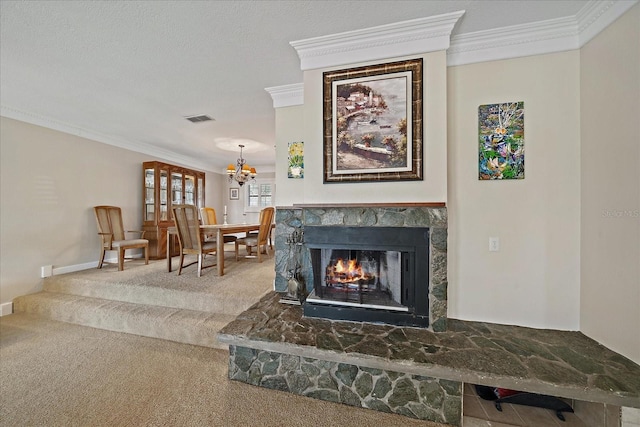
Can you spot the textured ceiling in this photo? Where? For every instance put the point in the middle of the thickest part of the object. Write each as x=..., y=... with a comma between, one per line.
x=130, y=71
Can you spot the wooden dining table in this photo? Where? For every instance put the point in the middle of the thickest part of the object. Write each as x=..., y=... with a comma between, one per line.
x=221, y=230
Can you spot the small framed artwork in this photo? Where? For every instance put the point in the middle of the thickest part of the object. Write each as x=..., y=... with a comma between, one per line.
x=501, y=141
x=373, y=123
x=296, y=160
x=234, y=193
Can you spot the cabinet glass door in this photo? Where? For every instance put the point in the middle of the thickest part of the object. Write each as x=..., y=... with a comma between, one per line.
x=149, y=194
x=164, y=189
x=200, y=192
x=176, y=188
x=189, y=189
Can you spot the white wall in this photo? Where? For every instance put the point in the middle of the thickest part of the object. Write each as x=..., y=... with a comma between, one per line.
x=534, y=280
x=431, y=189
x=49, y=183
x=562, y=264
x=610, y=215
x=290, y=128
x=236, y=213
x=570, y=231
x=216, y=192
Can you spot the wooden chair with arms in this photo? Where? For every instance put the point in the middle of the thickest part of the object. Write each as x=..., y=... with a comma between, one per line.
x=190, y=236
x=112, y=235
x=260, y=240
x=208, y=216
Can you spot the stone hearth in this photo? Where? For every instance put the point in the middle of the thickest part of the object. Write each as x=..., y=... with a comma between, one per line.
x=414, y=371
x=417, y=372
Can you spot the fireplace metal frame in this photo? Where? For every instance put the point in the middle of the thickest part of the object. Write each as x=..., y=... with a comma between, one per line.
x=412, y=242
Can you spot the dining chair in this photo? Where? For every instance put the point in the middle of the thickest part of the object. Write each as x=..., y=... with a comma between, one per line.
x=208, y=216
x=112, y=235
x=255, y=233
x=260, y=240
x=190, y=236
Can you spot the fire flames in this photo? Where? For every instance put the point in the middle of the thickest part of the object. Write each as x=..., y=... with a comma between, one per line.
x=346, y=272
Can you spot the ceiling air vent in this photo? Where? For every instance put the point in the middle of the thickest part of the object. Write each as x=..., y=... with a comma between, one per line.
x=199, y=118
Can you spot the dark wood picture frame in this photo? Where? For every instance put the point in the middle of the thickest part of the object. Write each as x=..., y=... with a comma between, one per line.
x=372, y=123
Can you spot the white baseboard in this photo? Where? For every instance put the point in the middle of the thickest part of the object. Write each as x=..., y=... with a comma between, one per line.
x=88, y=265
x=6, y=309
x=76, y=267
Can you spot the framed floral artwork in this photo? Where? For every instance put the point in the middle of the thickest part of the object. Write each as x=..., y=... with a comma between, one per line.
x=501, y=141
x=296, y=160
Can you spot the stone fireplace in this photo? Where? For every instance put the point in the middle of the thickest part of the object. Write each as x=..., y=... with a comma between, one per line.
x=399, y=250
x=418, y=372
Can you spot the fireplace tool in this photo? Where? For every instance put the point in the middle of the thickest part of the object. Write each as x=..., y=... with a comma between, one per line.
x=296, y=288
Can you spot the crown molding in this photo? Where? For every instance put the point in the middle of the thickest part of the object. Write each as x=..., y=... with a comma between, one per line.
x=595, y=16
x=137, y=146
x=416, y=36
x=554, y=35
x=423, y=35
x=536, y=38
x=287, y=95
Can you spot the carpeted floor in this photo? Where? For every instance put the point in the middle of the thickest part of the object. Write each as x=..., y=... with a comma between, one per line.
x=60, y=374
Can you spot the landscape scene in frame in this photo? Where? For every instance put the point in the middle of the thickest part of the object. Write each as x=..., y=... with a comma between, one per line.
x=501, y=141
x=371, y=124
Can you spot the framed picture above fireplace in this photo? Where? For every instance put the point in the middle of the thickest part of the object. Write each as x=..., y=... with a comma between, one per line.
x=373, y=123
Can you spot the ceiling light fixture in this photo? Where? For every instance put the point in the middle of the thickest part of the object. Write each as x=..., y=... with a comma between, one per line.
x=241, y=172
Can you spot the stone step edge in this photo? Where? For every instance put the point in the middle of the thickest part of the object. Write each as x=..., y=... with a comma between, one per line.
x=426, y=369
x=172, y=324
x=181, y=299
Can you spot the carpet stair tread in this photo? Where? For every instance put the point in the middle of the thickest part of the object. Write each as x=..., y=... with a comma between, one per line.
x=175, y=324
x=174, y=293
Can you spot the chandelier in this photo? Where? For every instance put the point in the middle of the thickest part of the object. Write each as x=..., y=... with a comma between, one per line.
x=241, y=172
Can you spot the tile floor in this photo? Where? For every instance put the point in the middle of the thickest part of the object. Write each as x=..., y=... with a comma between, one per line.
x=483, y=413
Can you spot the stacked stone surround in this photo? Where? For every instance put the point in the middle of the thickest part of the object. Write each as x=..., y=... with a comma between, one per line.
x=415, y=396
x=293, y=218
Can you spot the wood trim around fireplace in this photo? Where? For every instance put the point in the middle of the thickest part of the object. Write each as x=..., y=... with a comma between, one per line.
x=371, y=205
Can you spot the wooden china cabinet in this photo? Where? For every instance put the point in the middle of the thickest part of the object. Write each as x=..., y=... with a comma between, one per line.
x=164, y=185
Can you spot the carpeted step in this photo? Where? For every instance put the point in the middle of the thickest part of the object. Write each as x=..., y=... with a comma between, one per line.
x=230, y=294
x=149, y=293
x=174, y=324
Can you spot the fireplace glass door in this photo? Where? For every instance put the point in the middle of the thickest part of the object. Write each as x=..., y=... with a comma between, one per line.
x=367, y=278
x=372, y=274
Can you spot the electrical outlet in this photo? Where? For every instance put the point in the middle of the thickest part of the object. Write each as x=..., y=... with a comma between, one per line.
x=494, y=244
x=46, y=271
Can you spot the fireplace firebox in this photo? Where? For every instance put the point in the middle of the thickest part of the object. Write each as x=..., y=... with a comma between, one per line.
x=372, y=274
